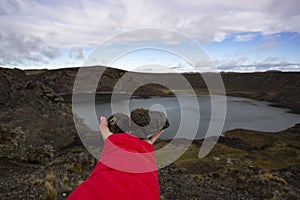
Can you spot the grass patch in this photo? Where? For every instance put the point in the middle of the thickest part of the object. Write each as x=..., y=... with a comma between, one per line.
x=217, y=159
x=51, y=192
x=270, y=151
x=268, y=177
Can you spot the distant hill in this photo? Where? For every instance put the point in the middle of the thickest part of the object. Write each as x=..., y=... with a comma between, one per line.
x=280, y=88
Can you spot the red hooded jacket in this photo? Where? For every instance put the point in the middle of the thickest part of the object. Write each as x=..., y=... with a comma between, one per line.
x=126, y=170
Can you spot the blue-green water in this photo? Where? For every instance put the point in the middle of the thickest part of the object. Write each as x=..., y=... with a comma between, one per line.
x=241, y=113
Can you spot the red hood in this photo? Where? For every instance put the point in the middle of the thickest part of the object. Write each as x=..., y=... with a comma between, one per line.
x=130, y=143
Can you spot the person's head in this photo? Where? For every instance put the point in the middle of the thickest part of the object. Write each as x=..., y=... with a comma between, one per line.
x=139, y=123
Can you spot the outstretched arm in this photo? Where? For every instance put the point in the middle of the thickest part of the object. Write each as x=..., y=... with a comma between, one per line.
x=154, y=137
x=104, y=130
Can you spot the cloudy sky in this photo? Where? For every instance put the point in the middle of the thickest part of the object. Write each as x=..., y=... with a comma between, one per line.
x=239, y=35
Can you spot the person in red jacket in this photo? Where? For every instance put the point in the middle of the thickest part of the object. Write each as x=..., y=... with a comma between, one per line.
x=126, y=170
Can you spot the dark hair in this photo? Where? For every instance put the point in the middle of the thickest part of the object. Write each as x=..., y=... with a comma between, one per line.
x=139, y=123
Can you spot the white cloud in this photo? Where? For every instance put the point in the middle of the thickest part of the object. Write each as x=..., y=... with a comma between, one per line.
x=260, y=67
x=267, y=46
x=30, y=29
x=273, y=59
x=219, y=37
x=244, y=37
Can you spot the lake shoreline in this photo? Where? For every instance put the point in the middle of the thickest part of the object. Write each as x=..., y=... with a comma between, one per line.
x=294, y=108
x=261, y=114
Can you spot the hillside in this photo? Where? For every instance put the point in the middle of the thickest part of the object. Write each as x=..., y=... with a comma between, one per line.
x=280, y=88
x=41, y=156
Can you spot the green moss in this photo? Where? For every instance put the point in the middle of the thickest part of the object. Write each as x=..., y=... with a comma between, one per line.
x=270, y=151
x=189, y=155
x=76, y=168
x=224, y=152
x=217, y=159
x=284, y=151
x=197, y=177
x=270, y=177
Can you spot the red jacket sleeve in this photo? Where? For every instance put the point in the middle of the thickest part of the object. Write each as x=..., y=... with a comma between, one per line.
x=109, y=180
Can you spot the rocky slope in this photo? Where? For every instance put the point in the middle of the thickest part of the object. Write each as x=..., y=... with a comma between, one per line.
x=241, y=166
x=35, y=122
x=41, y=156
x=281, y=88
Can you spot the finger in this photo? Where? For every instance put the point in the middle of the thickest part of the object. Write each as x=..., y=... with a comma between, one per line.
x=104, y=130
x=103, y=122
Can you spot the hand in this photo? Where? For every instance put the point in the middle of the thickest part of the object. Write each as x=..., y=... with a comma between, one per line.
x=104, y=130
x=154, y=137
